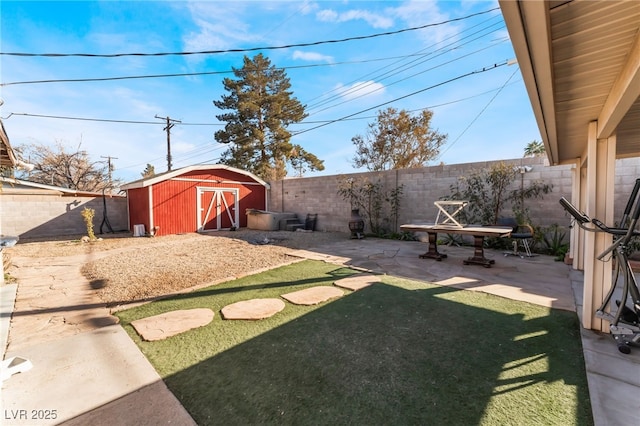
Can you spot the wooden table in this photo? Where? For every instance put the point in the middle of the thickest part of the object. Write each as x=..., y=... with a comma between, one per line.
x=477, y=232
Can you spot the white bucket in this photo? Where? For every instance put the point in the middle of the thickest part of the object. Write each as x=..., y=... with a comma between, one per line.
x=138, y=230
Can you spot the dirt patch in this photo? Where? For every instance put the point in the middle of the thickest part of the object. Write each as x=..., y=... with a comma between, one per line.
x=122, y=269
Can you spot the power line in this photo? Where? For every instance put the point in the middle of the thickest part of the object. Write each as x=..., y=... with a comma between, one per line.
x=480, y=113
x=322, y=123
x=202, y=150
x=190, y=74
x=155, y=123
x=422, y=56
x=251, y=49
x=388, y=74
x=199, y=73
x=61, y=117
x=349, y=117
x=205, y=149
x=396, y=81
x=485, y=69
x=105, y=120
x=131, y=77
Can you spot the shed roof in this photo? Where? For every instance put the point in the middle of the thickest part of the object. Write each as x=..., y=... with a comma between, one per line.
x=141, y=183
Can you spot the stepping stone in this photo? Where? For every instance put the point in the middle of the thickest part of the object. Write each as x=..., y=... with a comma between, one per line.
x=357, y=282
x=313, y=295
x=254, y=309
x=169, y=324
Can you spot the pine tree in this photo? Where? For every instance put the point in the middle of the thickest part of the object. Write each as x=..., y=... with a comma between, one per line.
x=149, y=171
x=260, y=107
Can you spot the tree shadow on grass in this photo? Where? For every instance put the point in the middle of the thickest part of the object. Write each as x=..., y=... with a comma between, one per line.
x=388, y=355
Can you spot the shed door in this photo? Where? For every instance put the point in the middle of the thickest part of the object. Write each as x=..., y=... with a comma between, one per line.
x=217, y=209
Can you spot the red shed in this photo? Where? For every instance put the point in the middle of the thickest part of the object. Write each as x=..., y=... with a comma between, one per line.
x=195, y=198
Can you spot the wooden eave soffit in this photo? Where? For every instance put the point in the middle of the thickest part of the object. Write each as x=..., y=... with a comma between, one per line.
x=625, y=91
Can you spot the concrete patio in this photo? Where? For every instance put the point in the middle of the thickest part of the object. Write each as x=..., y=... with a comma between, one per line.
x=99, y=376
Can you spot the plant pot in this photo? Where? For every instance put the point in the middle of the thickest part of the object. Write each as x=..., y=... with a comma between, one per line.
x=356, y=224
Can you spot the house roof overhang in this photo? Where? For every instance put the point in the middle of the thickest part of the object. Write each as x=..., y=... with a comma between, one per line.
x=7, y=157
x=580, y=61
x=18, y=186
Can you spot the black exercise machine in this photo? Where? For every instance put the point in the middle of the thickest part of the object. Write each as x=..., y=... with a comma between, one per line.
x=625, y=322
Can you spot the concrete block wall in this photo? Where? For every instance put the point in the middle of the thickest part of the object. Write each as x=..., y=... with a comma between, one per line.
x=627, y=172
x=42, y=215
x=423, y=186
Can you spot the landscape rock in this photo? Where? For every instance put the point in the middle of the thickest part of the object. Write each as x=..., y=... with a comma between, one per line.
x=357, y=282
x=254, y=309
x=313, y=295
x=169, y=324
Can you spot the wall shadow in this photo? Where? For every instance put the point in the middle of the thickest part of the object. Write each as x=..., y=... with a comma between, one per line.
x=388, y=355
x=63, y=217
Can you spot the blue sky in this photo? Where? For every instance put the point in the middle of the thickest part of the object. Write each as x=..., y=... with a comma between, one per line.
x=448, y=67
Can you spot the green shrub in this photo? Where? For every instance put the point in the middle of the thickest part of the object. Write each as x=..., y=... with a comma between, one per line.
x=553, y=238
x=378, y=207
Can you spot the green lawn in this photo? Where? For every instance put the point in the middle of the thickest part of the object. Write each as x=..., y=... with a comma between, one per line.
x=400, y=352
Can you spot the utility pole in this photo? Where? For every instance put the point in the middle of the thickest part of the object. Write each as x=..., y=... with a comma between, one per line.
x=170, y=124
x=108, y=157
x=105, y=218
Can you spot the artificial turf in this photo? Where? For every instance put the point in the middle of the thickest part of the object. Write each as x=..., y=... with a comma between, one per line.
x=397, y=352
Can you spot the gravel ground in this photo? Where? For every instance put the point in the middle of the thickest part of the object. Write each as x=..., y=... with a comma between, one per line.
x=124, y=268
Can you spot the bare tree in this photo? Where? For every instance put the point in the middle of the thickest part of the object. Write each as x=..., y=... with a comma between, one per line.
x=58, y=167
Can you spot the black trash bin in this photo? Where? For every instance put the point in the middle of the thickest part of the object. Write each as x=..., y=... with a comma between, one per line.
x=310, y=222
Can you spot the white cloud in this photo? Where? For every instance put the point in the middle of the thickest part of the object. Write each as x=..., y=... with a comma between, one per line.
x=374, y=19
x=360, y=89
x=308, y=7
x=416, y=13
x=134, y=103
x=312, y=56
x=219, y=26
x=327, y=15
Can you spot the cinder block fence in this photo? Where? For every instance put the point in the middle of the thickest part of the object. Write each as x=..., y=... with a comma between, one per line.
x=46, y=214
x=423, y=186
x=40, y=215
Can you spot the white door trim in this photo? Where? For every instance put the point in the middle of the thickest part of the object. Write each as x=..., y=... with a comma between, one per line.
x=214, y=207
